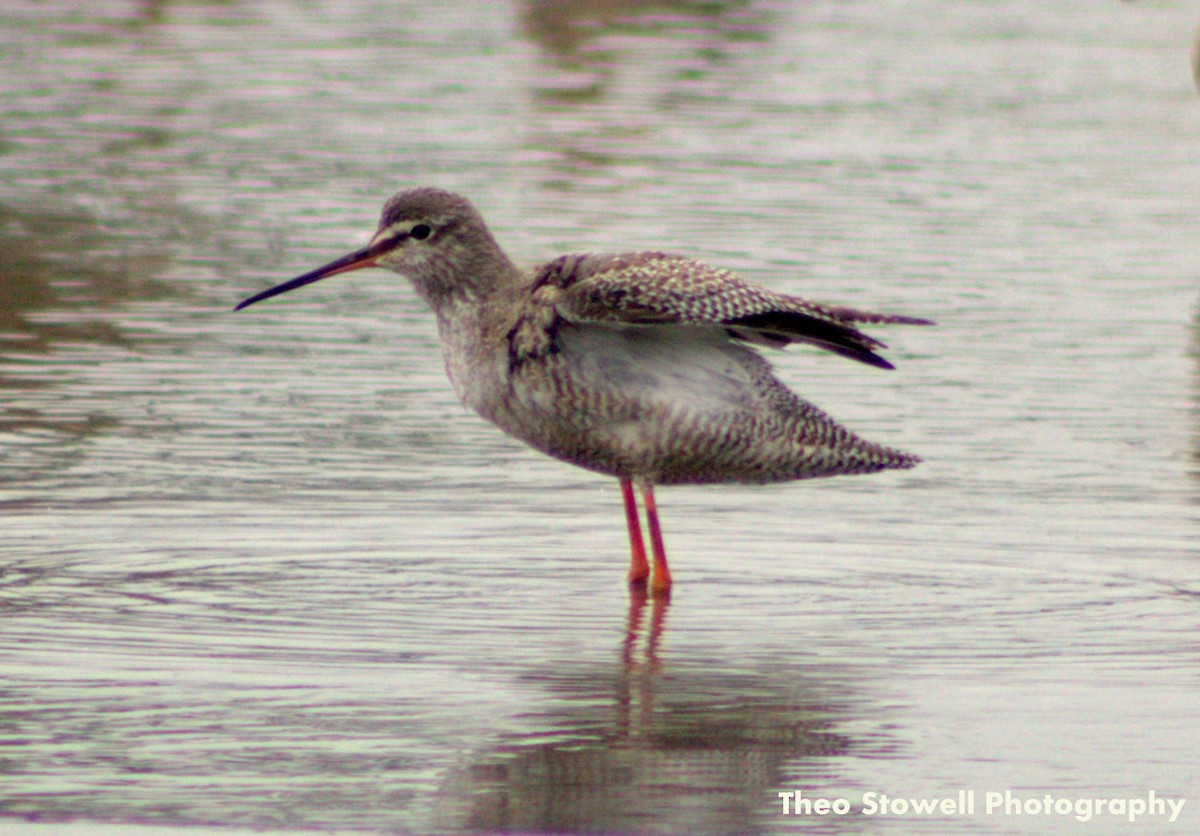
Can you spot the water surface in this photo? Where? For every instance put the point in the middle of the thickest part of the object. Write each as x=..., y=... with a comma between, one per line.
x=262, y=570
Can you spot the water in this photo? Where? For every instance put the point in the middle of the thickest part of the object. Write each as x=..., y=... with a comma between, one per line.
x=262, y=570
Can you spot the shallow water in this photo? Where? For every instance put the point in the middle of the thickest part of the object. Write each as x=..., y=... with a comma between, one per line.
x=262, y=570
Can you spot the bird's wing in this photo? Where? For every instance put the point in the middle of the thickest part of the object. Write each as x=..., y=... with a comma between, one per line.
x=659, y=289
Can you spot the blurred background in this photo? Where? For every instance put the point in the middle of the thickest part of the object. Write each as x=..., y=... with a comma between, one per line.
x=262, y=570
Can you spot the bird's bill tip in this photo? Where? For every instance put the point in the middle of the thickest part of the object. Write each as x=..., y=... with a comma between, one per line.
x=357, y=260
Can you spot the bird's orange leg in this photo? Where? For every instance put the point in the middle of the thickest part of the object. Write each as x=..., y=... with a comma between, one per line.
x=639, y=569
x=661, y=583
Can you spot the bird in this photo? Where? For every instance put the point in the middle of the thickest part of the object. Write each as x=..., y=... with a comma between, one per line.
x=644, y=366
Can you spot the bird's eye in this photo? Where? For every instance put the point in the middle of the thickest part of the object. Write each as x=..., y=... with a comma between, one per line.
x=421, y=231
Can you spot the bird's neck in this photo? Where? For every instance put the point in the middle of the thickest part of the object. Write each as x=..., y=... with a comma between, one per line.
x=467, y=277
x=474, y=338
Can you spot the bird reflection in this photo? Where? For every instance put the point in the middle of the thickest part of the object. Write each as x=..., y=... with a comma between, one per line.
x=656, y=742
x=638, y=599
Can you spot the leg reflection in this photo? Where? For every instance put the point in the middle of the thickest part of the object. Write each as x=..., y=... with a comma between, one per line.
x=639, y=597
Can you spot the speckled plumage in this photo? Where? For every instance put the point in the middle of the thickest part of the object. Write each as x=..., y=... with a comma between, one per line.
x=637, y=365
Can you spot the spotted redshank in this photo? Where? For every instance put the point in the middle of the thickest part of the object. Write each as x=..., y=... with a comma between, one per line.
x=636, y=365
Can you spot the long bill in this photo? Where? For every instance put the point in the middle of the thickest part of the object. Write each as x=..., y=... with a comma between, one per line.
x=366, y=257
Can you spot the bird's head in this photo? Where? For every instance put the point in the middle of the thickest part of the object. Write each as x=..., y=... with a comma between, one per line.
x=435, y=238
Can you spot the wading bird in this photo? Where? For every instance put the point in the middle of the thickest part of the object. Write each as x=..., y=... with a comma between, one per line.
x=637, y=365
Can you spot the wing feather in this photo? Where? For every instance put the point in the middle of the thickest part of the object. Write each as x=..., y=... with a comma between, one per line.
x=658, y=289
